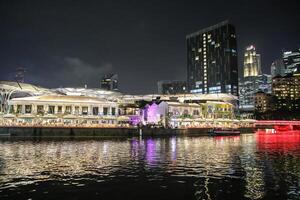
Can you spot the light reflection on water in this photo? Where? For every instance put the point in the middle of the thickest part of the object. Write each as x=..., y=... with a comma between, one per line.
x=244, y=167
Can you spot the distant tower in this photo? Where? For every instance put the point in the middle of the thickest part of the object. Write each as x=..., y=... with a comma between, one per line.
x=291, y=60
x=278, y=68
x=20, y=74
x=109, y=82
x=252, y=64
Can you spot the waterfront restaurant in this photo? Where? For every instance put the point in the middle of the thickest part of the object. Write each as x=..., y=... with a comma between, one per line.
x=61, y=110
x=177, y=114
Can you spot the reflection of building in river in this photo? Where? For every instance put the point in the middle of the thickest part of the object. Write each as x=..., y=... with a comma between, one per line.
x=211, y=166
x=254, y=174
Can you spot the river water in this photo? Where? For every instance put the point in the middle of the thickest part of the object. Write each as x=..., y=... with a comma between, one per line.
x=250, y=166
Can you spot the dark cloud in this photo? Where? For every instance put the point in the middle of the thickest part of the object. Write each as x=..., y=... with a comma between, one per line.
x=69, y=71
x=77, y=71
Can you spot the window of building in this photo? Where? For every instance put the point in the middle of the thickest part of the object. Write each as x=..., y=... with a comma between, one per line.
x=105, y=111
x=196, y=112
x=19, y=109
x=95, y=110
x=51, y=109
x=40, y=109
x=84, y=110
x=68, y=110
x=113, y=111
x=76, y=110
x=28, y=109
x=11, y=109
x=59, y=109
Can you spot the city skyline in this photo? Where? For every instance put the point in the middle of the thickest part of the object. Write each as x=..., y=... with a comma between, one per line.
x=53, y=43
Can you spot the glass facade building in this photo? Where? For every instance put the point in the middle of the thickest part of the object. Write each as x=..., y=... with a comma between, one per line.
x=291, y=60
x=212, y=60
x=250, y=86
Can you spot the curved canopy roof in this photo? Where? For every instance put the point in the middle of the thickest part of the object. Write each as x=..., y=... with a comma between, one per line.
x=34, y=90
x=60, y=99
x=89, y=92
x=23, y=87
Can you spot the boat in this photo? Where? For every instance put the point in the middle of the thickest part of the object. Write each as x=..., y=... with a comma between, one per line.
x=223, y=132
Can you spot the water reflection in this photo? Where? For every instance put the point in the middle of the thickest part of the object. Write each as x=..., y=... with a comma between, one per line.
x=243, y=167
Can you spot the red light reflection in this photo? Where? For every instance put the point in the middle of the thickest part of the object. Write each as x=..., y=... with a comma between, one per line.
x=285, y=141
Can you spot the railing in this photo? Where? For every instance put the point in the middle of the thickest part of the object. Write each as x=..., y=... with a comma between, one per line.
x=277, y=122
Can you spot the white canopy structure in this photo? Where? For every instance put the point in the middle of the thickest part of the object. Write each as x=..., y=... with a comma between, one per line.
x=9, y=89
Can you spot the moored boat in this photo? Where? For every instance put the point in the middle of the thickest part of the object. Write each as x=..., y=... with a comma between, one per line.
x=223, y=131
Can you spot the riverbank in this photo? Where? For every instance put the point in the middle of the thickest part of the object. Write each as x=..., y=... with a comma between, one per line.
x=102, y=132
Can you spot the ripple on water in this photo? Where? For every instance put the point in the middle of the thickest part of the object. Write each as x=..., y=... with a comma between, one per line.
x=245, y=167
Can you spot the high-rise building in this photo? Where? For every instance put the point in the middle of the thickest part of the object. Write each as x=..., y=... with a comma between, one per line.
x=286, y=89
x=212, y=60
x=109, y=82
x=252, y=62
x=172, y=87
x=277, y=68
x=263, y=102
x=291, y=60
x=249, y=87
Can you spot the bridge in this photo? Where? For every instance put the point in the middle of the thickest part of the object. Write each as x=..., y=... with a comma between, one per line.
x=278, y=124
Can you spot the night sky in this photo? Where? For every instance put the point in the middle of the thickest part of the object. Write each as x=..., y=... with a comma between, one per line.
x=72, y=43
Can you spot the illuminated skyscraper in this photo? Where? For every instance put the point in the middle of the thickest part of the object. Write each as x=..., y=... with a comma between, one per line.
x=212, y=60
x=252, y=64
x=287, y=91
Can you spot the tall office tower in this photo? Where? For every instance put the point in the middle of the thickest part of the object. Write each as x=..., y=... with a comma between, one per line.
x=212, y=60
x=277, y=68
x=252, y=63
x=249, y=87
x=109, y=82
x=286, y=89
x=291, y=60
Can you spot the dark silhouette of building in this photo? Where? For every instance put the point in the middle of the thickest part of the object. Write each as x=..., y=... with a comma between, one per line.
x=278, y=68
x=212, y=60
x=172, y=87
x=109, y=82
x=20, y=74
x=291, y=60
